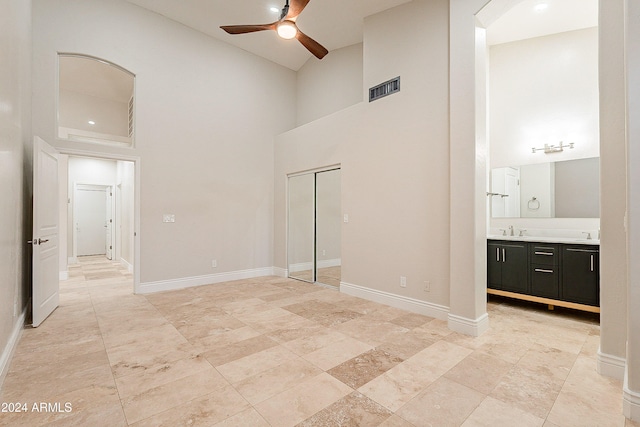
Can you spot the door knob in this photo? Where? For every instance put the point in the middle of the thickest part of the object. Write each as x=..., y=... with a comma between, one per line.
x=41, y=241
x=32, y=242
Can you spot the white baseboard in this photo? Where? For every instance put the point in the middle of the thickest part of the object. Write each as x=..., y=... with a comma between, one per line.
x=280, y=272
x=473, y=327
x=188, y=282
x=398, y=301
x=610, y=366
x=630, y=400
x=63, y=275
x=126, y=264
x=323, y=263
x=7, y=353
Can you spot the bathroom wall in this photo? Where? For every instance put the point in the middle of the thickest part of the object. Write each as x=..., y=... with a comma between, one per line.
x=545, y=90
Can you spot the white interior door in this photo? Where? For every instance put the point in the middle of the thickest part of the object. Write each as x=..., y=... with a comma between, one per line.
x=91, y=220
x=109, y=223
x=45, y=286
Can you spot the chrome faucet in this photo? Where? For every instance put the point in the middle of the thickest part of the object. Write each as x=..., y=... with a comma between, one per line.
x=504, y=231
x=588, y=234
x=521, y=233
x=511, y=230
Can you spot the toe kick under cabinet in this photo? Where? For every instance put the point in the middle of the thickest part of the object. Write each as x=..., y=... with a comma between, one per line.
x=557, y=274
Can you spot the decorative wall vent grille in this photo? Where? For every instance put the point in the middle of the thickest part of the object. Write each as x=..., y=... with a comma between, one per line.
x=131, y=117
x=384, y=89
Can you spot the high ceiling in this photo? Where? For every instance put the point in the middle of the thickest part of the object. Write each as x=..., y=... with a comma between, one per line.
x=332, y=23
x=339, y=23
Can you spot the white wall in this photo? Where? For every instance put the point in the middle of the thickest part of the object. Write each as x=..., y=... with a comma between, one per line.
x=125, y=212
x=394, y=158
x=206, y=116
x=330, y=85
x=76, y=109
x=542, y=91
x=15, y=169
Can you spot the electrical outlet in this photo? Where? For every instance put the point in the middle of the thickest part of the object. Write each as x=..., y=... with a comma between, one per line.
x=346, y=218
x=324, y=252
x=168, y=218
x=214, y=263
x=427, y=286
x=403, y=282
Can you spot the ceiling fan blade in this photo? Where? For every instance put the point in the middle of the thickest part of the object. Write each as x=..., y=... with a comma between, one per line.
x=295, y=8
x=313, y=46
x=243, y=29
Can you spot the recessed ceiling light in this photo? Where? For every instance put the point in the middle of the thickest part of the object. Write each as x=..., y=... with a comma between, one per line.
x=91, y=122
x=541, y=7
x=274, y=9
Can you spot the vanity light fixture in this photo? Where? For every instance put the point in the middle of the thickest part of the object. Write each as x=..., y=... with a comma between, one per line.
x=548, y=149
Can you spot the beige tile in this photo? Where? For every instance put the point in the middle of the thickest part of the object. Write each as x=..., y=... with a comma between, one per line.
x=548, y=361
x=228, y=353
x=202, y=411
x=444, y=402
x=479, y=371
x=396, y=421
x=248, y=417
x=302, y=401
x=371, y=330
x=530, y=390
x=494, y=413
x=276, y=380
x=352, y=410
x=253, y=364
x=314, y=341
x=364, y=367
x=158, y=375
x=407, y=344
x=411, y=320
x=172, y=395
x=336, y=353
x=403, y=382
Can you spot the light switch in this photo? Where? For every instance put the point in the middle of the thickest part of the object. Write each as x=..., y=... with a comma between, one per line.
x=346, y=218
x=168, y=218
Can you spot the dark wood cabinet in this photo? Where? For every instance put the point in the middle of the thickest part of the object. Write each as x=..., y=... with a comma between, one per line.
x=561, y=274
x=581, y=274
x=507, y=266
x=544, y=270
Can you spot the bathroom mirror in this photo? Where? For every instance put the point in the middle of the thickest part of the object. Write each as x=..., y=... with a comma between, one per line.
x=567, y=189
x=95, y=101
x=301, y=231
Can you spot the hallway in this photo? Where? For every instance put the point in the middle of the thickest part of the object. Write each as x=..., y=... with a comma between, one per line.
x=273, y=351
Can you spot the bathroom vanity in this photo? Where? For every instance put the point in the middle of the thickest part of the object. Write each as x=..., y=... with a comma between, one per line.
x=555, y=271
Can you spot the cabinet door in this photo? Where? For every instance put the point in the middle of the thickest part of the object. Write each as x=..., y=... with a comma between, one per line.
x=514, y=267
x=494, y=266
x=545, y=281
x=581, y=275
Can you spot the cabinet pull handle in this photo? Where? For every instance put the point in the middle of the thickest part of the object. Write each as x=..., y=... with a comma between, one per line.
x=498, y=254
x=592, y=262
x=504, y=258
x=540, y=270
x=544, y=253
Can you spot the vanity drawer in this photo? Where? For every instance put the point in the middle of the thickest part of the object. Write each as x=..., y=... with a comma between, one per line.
x=545, y=280
x=544, y=254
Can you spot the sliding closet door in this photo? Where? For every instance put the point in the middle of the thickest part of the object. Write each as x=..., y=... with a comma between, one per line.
x=301, y=234
x=328, y=228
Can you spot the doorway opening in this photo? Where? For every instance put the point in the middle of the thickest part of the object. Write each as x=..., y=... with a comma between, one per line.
x=98, y=199
x=314, y=227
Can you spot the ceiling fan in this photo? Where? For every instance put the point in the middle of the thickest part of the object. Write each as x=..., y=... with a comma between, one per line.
x=285, y=27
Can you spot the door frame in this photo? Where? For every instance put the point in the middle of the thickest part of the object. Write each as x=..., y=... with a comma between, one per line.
x=74, y=232
x=136, y=199
x=314, y=171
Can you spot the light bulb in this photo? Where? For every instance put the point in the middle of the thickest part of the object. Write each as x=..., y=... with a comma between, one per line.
x=287, y=30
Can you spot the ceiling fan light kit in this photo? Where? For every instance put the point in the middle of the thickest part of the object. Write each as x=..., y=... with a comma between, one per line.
x=285, y=27
x=287, y=30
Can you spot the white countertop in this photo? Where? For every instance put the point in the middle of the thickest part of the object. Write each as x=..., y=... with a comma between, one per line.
x=547, y=239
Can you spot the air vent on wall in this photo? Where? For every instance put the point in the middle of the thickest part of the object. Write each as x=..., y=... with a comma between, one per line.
x=384, y=89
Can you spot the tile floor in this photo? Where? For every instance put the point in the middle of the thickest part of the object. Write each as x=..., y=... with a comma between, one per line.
x=278, y=352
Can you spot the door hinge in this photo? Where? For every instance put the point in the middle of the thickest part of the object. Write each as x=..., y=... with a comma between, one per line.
x=110, y=247
x=110, y=220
